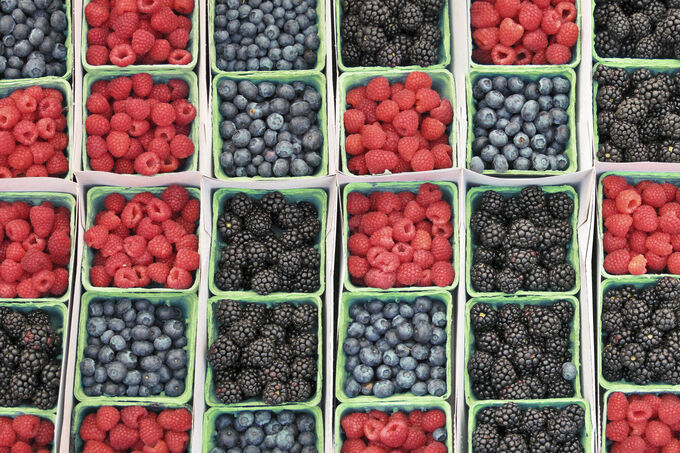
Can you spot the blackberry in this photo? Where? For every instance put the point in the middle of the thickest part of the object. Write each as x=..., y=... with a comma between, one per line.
x=487, y=342
x=423, y=53
x=257, y=314
x=513, y=443
x=51, y=375
x=304, y=345
x=228, y=374
x=223, y=353
x=38, y=318
x=14, y=323
x=640, y=26
x=519, y=390
x=492, y=202
x=303, y=368
x=240, y=204
x=260, y=353
x=38, y=338
x=374, y=12
x=277, y=370
x=553, y=256
x=631, y=110
x=371, y=39
x=560, y=388
x=618, y=26
x=508, y=281
x=608, y=97
x=669, y=27
x=234, y=256
x=549, y=369
x=479, y=366
x=562, y=277
x=430, y=33
x=532, y=199
x=228, y=224
x=636, y=314
x=483, y=317
x=292, y=239
x=508, y=415
x=229, y=392
x=273, y=201
x=605, y=118
x=632, y=356
x=668, y=288
x=654, y=91
x=485, y=438
x=544, y=323
x=655, y=11
x=483, y=390
x=430, y=8
x=290, y=262
x=670, y=126
x=648, y=132
x=541, y=442
x=282, y=314
x=537, y=279
x=275, y=393
x=248, y=382
x=290, y=216
x=664, y=319
x=603, y=11
x=564, y=310
x=484, y=255
x=351, y=54
x=648, y=47
x=227, y=311
x=45, y=398
x=305, y=317
x=637, y=153
x=410, y=18
x=10, y=356
x=515, y=334
x=300, y=390
x=669, y=151
x=483, y=277
x=265, y=282
x=32, y=361
x=310, y=229
x=521, y=260
x=527, y=358
x=229, y=278
x=274, y=332
x=640, y=376
x=307, y=281
x=561, y=205
x=532, y=420
x=23, y=385
x=659, y=361
x=258, y=222
x=522, y=233
x=540, y=219
x=502, y=374
x=509, y=313
x=391, y=55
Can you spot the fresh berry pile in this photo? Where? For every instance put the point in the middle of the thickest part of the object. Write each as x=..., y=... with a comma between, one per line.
x=270, y=129
x=26, y=433
x=31, y=360
x=643, y=422
x=270, y=245
x=128, y=32
x=638, y=115
x=36, y=250
x=33, y=132
x=147, y=241
x=397, y=128
x=641, y=333
x=512, y=32
x=522, y=242
x=534, y=429
x=376, y=431
x=267, y=35
x=632, y=29
x=134, y=349
x=263, y=430
x=134, y=428
x=396, y=348
x=391, y=32
x=641, y=227
x=521, y=124
x=33, y=37
x=137, y=126
x=265, y=353
x=400, y=239
x=522, y=352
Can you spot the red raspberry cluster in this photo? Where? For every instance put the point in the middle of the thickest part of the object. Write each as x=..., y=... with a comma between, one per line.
x=32, y=133
x=520, y=32
x=125, y=32
x=136, y=429
x=643, y=423
x=400, y=239
x=147, y=240
x=642, y=227
x=377, y=432
x=138, y=126
x=26, y=434
x=35, y=250
x=397, y=128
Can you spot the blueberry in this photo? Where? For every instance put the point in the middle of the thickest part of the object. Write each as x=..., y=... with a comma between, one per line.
x=476, y=164
x=540, y=162
x=559, y=116
x=439, y=319
x=521, y=140
x=562, y=134
x=438, y=336
x=408, y=363
x=538, y=142
x=514, y=103
x=494, y=99
x=87, y=366
x=352, y=387
x=436, y=387
x=227, y=437
x=488, y=153
x=502, y=124
x=561, y=85
x=391, y=337
x=145, y=318
x=521, y=163
x=529, y=110
x=482, y=86
x=439, y=434
x=498, y=138
x=531, y=91
x=100, y=375
x=177, y=358
x=285, y=440
x=545, y=103
x=383, y=388
x=370, y=356
x=96, y=326
x=383, y=372
x=390, y=358
x=529, y=128
x=543, y=121
x=419, y=389
x=129, y=317
x=421, y=317
x=405, y=331
x=116, y=371
x=95, y=390
x=515, y=84
x=419, y=351
x=133, y=377
x=511, y=152
x=545, y=86
x=406, y=379
x=117, y=343
x=561, y=101
x=562, y=162
x=106, y=354
x=91, y=350
x=106, y=336
x=150, y=363
x=485, y=118
x=254, y=435
x=422, y=371
x=422, y=333
x=350, y=346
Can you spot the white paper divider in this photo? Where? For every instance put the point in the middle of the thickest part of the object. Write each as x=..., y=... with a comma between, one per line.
x=584, y=95
x=203, y=65
x=76, y=159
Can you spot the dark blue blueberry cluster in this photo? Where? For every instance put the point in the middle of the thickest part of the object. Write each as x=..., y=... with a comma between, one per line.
x=396, y=348
x=33, y=34
x=257, y=35
x=265, y=431
x=521, y=125
x=134, y=349
x=270, y=129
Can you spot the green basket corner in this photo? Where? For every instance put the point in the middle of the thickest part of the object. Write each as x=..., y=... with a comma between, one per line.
x=497, y=301
x=314, y=79
x=349, y=299
x=187, y=302
x=191, y=163
x=211, y=416
x=525, y=73
x=445, y=52
x=210, y=396
x=449, y=194
x=318, y=197
x=94, y=204
x=12, y=412
x=442, y=82
x=572, y=254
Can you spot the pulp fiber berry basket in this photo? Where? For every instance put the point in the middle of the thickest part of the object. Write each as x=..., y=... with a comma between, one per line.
x=623, y=385
x=421, y=403
x=529, y=74
x=497, y=302
x=575, y=50
x=82, y=410
x=192, y=48
x=586, y=431
x=444, y=56
x=59, y=320
x=186, y=302
x=212, y=414
x=58, y=199
x=7, y=87
x=317, y=197
x=314, y=79
x=95, y=204
x=350, y=299
x=213, y=332
x=190, y=163
x=442, y=83
x=631, y=178
x=449, y=194
x=320, y=52
x=44, y=415
x=473, y=201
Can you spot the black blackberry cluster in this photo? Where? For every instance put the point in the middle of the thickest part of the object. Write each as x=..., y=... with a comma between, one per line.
x=647, y=29
x=270, y=245
x=390, y=32
x=638, y=115
x=267, y=353
x=511, y=428
x=641, y=333
x=30, y=363
x=522, y=352
x=521, y=242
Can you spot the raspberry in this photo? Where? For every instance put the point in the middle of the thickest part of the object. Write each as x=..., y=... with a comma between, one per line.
x=181, y=146
x=510, y=32
x=406, y=123
x=673, y=263
x=438, y=212
x=443, y=112
x=551, y=22
x=535, y=40
x=379, y=161
x=355, y=96
x=176, y=197
x=163, y=20
x=353, y=425
x=416, y=438
x=150, y=432
x=403, y=230
x=354, y=145
x=393, y=434
x=638, y=411
x=507, y=8
x=387, y=110
x=107, y=417
x=375, y=278
x=617, y=431
x=409, y=274
x=503, y=55
x=645, y=219
x=628, y=200
x=26, y=426
x=432, y=420
x=659, y=243
x=618, y=224
x=442, y=273
x=567, y=34
x=387, y=202
x=558, y=54
x=94, y=446
x=669, y=412
x=378, y=89
x=176, y=441
x=123, y=437
x=441, y=249
x=416, y=80
x=530, y=16
x=25, y=132
x=175, y=419
x=357, y=203
x=405, y=99
x=611, y=242
x=658, y=434
x=403, y=251
x=188, y=260
x=423, y=160
x=566, y=11
x=612, y=185
x=407, y=147
x=130, y=415
x=435, y=447
x=373, y=137
x=353, y=446
x=483, y=14
x=637, y=265
x=179, y=279
x=96, y=14
x=428, y=193
x=354, y=120
x=99, y=277
x=654, y=195
x=44, y=434
x=357, y=266
x=616, y=263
